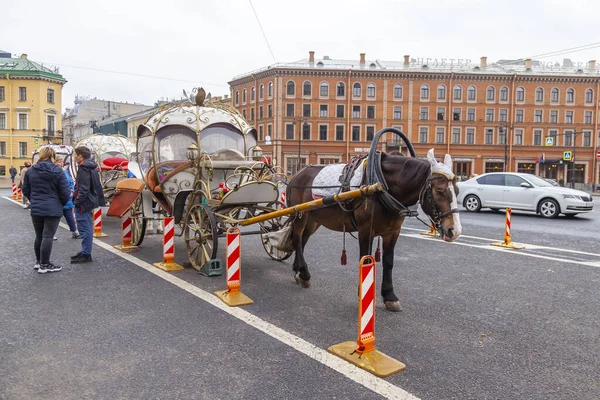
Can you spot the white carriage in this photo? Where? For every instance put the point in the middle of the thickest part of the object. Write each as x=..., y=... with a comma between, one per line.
x=61, y=150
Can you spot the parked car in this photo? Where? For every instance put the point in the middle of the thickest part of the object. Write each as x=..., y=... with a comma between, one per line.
x=551, y=181
x=518, y=191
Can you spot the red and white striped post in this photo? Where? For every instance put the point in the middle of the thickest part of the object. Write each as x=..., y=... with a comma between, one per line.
x=14, y=191
x=233, y=296
x=19, y=194
x=507, y=240
x=282, y=199
x=362, y=353
x=168, y=263
x=97, y=214
x=126, y=225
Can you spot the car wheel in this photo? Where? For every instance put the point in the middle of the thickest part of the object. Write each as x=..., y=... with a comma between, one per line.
x=472, y=203
x=549, y=208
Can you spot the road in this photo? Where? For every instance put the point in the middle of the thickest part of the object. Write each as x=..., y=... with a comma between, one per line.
x=478, y=321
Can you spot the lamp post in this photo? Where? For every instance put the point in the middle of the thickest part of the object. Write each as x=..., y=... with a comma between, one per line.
x=575, y=133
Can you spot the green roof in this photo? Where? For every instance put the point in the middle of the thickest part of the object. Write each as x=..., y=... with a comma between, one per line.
x=24, y=66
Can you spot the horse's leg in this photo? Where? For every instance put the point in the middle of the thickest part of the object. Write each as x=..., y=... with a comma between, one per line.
x=300, y=267
x=387, y=287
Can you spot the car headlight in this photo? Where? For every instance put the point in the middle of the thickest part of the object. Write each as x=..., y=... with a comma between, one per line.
x=568, y=196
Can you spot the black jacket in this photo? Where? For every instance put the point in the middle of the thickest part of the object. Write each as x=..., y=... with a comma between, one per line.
x=47, y=189
x=13, y=171
x=88, y=189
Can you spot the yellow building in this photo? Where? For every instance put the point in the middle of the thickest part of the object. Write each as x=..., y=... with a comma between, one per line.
x=30, y=109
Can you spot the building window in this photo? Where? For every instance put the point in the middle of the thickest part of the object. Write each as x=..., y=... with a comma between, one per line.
x=455, y=135
x=397, y=91
x=244, y=96
x=371, y=91
x=356, y=90
x=489, y=114
x=423, y=133
x=289, y=131
x=340, y=89
x=50, y=124
x=306, y=89
x=526, y=168
x=306, y=110
x=324, y=89
x=289, y=110
x=22, y=121
x=568, y=117
x=439, y=135
x=441, y=113
x=339, y=133
x=493, y=167
x=370, y=133
x=244, y=113
x=270, y=111
x=322, y=132
x=489, y=136
x=23, y=149
x=252, y=93
x=503, y=93
x=457, y=93
x=587, y=119
x=554, y=95
x=490, y=93
x=424, y=92
x=470, y=135
x=539, y=95
x=355, y=133
x=587, y=139
x=305, y=131
x=261, y=92
x=397, y=112
x=553, y=116
x=270, y=89
x=519, y=116
x=520, y=94
x=2, y=149
x=323, y=111
x=261, y=133
x=261, y=112
x=370, y=112
x=503, y=117
x=589, y=96
x=553, y=134
x=22, y=94
x=537, y=137
x=355, y=111
x=518, y=137
x=424, y=113
x=537, y=116
x=502, y=132
x=237, y=97
x=470, y=114
x=252, y=114
x=568, y=138
x=50, y=96
x=270, y=131
x=471, y=93
x=327, y=161
x=2, y=120
x=441, y=92
x=570, y=95
x=2, y=93
x=290, y=88
x=339, y=111
x=456, y=114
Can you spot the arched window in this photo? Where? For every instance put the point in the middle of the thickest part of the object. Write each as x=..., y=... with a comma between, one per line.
x=290, y=88
x=237, y=97
x=457, y=92
x=261, y=92
x=503, y=93
x=397, y=91
x=520, y=94
x=539, y=95
x=371, y=90
x=490, y=93
x=589, y=96
x=356, y=90
x=471, y=93
x=424, y=92
x=252, y=93
x=270, y=89
x=340, y=89
x=554, y=95
x=244, y=93
x=306, y=89
x=324, y=89
x=570, y=95
x=441, y=92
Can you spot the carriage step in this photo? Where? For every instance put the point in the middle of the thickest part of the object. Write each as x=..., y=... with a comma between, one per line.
x=212, y=268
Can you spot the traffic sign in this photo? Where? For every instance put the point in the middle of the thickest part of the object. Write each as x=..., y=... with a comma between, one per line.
x=598, y=154
x=567, y=155
x=549, y=140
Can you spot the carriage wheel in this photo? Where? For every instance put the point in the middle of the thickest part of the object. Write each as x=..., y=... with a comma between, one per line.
x=273, y=225
x=200, y=235
x=138, y=223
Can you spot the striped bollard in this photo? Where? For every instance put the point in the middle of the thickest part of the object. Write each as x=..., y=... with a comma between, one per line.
x=97, y=214
x=362, y=353
x=14, y=191
x=507, y=242
x=168, y=263
x=19, y=194
x=232, y=296
x=126, y=226
x=283, y=200
x=431, y=232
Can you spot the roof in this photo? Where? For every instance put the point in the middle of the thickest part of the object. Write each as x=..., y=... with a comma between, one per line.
x=24, y=66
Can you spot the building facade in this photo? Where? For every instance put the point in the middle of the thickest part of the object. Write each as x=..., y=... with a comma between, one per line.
x=30, y=104
x=511, y=115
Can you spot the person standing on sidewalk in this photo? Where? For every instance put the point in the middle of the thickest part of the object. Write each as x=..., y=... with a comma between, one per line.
x=22, y=178
x=47, y=189
x=88, y=195
x=68, y=208
x=13, y=173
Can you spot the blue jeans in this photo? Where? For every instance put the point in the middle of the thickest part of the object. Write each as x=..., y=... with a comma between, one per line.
x=68, y=214
x=86, y=229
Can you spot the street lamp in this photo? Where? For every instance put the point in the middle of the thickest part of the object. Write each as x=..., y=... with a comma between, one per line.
x=575, y=133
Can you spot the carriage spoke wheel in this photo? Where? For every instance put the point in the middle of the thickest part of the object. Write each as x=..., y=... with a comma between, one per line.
x=138, y=223
x=200, y=235
x=273, y=225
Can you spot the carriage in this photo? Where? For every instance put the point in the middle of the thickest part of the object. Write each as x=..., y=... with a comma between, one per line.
x=60, y=150
x=202, y=165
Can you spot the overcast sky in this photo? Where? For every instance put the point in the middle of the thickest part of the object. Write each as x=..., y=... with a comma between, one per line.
x=207, y=43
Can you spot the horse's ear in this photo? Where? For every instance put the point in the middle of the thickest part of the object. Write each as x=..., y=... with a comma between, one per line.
x=448, y=161
x=431, y=158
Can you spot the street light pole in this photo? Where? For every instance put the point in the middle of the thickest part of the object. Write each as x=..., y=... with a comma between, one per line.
x=504, y=132
x=575, y=133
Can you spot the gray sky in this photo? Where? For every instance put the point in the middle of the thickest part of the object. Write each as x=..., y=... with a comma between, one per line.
x=206, y=43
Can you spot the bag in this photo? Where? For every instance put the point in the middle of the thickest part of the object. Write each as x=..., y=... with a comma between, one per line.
x=282, y=239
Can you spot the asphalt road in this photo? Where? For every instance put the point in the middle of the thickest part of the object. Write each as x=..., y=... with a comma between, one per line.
x=479, y=322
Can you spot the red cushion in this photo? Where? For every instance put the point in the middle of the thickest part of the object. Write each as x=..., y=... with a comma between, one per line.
x=112, y=161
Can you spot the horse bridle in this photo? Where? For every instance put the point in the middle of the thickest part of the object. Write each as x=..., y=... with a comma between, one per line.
x=436, y=217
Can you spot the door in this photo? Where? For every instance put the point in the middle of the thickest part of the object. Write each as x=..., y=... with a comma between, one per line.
x=490, y=190
x=516, y=196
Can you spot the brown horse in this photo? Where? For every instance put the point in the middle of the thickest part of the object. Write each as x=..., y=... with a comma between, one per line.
x=409, y=181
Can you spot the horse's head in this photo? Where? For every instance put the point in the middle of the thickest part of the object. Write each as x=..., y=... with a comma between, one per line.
x=438, y=198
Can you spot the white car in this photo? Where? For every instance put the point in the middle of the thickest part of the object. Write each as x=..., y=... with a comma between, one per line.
x=518, y=191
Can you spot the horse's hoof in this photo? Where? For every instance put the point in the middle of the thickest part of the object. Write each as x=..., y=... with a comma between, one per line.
x=302, y=282
x=393, y=306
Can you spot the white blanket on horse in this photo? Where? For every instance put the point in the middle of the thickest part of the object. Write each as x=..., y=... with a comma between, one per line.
x=327, y=182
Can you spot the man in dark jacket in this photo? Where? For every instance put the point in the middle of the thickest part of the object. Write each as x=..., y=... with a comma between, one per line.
x=13, y=173
x=88, y=195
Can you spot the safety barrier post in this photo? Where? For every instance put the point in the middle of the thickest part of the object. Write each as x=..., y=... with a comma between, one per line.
x=19, y=194
x=168, y=263
x=97, y=213
x=126, y=245
x=431, y=232
x=507, y=242
x=283, y=200
x=362, y=353
x=232, y=296
x=14, y=191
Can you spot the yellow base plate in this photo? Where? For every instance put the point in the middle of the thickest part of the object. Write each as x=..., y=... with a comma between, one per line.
x=100, y=234
x=508, y=246
x=429, y=233
x=127, y=249
x=171, y=266
x=374, y=361
x=234, y=299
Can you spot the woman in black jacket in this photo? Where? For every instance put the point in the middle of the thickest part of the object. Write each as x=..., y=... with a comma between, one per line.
x=47, y=189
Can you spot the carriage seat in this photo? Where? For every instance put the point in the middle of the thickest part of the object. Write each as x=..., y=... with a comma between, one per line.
x=114, y=163
x=165, y=170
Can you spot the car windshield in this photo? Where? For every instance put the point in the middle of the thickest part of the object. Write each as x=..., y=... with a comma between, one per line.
x=538, y=181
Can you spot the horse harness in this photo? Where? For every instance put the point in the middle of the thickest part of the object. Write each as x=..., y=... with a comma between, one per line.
x=427, y=193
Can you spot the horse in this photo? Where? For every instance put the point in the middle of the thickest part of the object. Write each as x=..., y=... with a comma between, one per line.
x=409, y=181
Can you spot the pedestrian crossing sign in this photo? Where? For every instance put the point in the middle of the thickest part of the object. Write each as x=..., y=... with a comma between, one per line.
x=36, y=141
x=549, y=140
x=567, y=156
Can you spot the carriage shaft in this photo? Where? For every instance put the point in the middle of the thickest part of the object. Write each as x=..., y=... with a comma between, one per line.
x=311, y=205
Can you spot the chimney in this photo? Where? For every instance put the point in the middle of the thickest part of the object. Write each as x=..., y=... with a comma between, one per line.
x=528, y=64
x=24, y=56
x=311, y=57
x=362, y=59
x=406, y=61
x=483, y=62
x=592, y=66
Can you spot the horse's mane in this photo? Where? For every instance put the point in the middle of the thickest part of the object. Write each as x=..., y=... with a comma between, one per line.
x=408, y=169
